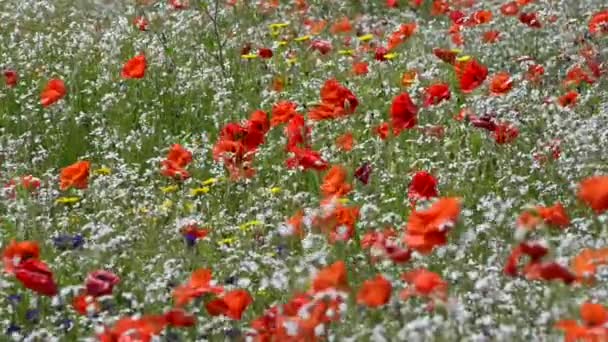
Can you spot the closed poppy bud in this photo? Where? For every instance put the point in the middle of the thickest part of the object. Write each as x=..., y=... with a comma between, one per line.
x=100, y=283
x=11, y=78
x=265, y=53
x=363, y=172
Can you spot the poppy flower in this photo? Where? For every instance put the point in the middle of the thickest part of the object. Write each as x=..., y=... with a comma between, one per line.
x=375, y=292
x=383, y=130
x=530, y=19
x=408, y=78
x=501, y=84
x=134, y=67
x=436, y=93
x=471, y=75
x=179, y=318
x=322, y=46
x=593, y=191
x=576, y=75
x=336, y=94
x=86, y=304
x=585, y=264
x=534, y=73
x=363, y=172
x=10, y=78
x=334, y=182
x=179, y=4
x=424, y=283
x=380, y=53
x=422, y=187
x=568, y=99
x=536, y=251
x=478, y=18
x=345, y=142
x=75, y=176
x=17, y=252
x=231, y=305
x=36, y=276
x=331, y=277
x=342, y=25
x=536, y=269
x=448, y=56
x=490, y=37
x=549, y=271
x=134, y=329
x=307, y=160
x=509, y=9
x=554, y=215
x=192, y=233
x=505, y=133
x=404, y=32
x=360, y=68
x=297, y=132
x=53, y=91
x=428, y=228
x=264, y=53
x=337, y=221
x=403, y=113
x=598, y=24
x=141, y=23
x=283, y=112
x=101, y=283
x=593, y=327
x=198, y=285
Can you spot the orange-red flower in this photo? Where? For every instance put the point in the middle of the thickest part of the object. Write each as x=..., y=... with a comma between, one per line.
x=593, y=328
x=10, y=78
x=134, y=329
x=568, y=99
x=585, y=264
x=599, y=23
x=501, y=84
x=231, y=305
x=331, y=277
x=334, y=183
x=375, y=292
x=35, y=275
x=17, y=252
x=428, y=228
x=505, y=133
x=198, y=285
x=593, y=191
x=403, y=113
x=75, y=176
x=345, y=141
x=343, y=25
x=471, y=75
x=135, y=67
x=336, y=101
x=54, y=91
x=425, y=283
x=509, y=9
x=554, y=216
x=282, y=112
x=177, y=159
x=85, y=304
x=360, y=68
x=423, y=186
x=436, y=93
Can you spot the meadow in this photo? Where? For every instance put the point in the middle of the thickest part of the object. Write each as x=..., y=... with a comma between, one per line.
x=304, y=170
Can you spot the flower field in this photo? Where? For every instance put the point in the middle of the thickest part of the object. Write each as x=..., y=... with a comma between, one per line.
x=304, y=170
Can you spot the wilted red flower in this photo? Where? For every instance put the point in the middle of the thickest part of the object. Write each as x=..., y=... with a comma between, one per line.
x=75, y=176
x=331, y=277
x=403, y=113
x=36, y=276
x=375, y=292
x=436, y=93
x=422, y=187
x=471, y=75
x=101, y=283
x=593, y=191
x=428, y=228
x=231, y=305
x=17, y=252
x=134, y=67
x=10, y=78
x=54, y=91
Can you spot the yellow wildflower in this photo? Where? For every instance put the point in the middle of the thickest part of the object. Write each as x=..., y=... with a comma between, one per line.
x=275, y=190
x=67, y=200
x=199, y=191
x=302, y=39
x=210, y=181
x=247, y=225
x=391, y=55
x=103, y=171
x=169, y=189
x=463, y=58
x=346, y=52
x=366, y=37
x=249, y=56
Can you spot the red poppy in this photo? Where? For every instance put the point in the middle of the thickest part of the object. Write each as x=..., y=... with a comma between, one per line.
x=101, y=283
x=231, y=305
x=379, y=54
x=36, y=276
x=134, y=67
x=375, y=292
x=10, y=78
x=428, y=228
x=403, y=113
x=265, y=53
x=404, y=32
x=576, y=76
x=363, y=172
x=17, y=252
x=54, y=91
x=297, y=132
x=471, y=75
x=530, y=19
x=445, y=55
x=331, y=277
x=436, y=93
x=198, y=285
x=134, y=329
x=593, y=191
x=554, y=215
x=337, y=221
x=534, y=73
x=179, y=4
x=283, y=112
x=86, y=304
x=141, y=23
x=336, y=101
x=345, y=142
x=598, y=24
x=383, y=130
x=505, y=133
x=179, y=318
x=479, y=18
x=360, y=68
x=593, y=327
x=341, y=26
x=509, y=9
x=585, y=264
x=334, y=183
x=75, y=176
x=425, y=283
x=306, y=159
x=422, y=187
x=568, y=99
x=501, y=84
x=491, y=36
x=322, y=46
x=177, y=159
